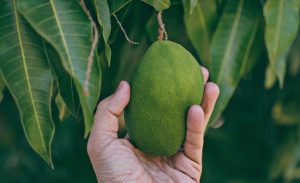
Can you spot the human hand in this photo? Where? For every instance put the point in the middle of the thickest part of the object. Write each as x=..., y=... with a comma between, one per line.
x=117, y=160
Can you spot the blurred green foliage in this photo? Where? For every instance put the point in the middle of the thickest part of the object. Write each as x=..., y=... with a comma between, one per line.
x=19, y=163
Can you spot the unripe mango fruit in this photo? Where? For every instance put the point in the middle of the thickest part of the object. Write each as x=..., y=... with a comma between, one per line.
x=167, y=83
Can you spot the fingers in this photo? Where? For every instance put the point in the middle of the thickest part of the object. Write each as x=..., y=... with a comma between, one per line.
x=187, y=166
x=198, y=116
x=211, y=93
x=106, y=117
x=117, y=101
x=195, y=132
x=205, y=74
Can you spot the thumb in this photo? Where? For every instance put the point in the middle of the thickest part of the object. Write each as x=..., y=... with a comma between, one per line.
x=106, y=118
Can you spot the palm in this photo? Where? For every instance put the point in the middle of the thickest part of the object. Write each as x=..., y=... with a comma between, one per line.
x=135, y=166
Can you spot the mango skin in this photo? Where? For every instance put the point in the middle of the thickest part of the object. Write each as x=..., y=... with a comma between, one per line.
x=168, y=81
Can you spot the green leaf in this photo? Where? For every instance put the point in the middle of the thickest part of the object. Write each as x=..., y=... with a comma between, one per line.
x=159, y=5
x=255, y=47
x=28, y=77
x=282, y=22
x=62, y=107
x=115, y=6
x=2, y=86
x=64, y=24
x=294, y=57
x=65, y=83
x=230, y=48
x=193, y=4
x=103, y=15
x=270, y=77
x=200, y=26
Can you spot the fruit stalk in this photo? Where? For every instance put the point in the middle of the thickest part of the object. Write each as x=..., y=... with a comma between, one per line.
x=162, y=33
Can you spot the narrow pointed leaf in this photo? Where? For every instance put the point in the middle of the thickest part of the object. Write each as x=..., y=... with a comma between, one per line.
x=193, y=4
x=27, y=75
x=158, y=5
x=230, y=48
x=200, y=26
x=255, y=47
x=62, y=107
x=64, y=24
x=282, y=23
x=294, y=57
x=103, y=15
x=66, y=86
x=115, y=6
x=270, y=77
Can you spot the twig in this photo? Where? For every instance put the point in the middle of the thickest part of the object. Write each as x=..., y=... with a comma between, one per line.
x=162, y=33
x=123, y=30
x=92, y=51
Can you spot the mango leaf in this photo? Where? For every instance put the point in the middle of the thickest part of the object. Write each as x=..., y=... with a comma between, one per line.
x=66, y=86
x=230, y=46
x=115, y=6
x=103, y=16
x=255, y=47
x=294, y=57
x=62, y=107
x=28, y=77
x=193, y=4
x=2, y=86
x=158, y=5
x=270, y=77
x=200, y=26
x=282, y=22
x=64, y=24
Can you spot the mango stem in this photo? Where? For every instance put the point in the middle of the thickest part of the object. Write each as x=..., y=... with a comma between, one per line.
x=162, y=33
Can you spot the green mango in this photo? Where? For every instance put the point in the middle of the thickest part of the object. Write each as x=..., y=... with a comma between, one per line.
x=168, y=81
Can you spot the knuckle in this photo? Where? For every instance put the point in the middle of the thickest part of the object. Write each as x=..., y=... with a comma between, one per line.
x=102, y=105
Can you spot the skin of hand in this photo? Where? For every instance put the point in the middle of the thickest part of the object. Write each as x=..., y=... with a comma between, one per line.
x=117, y=160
